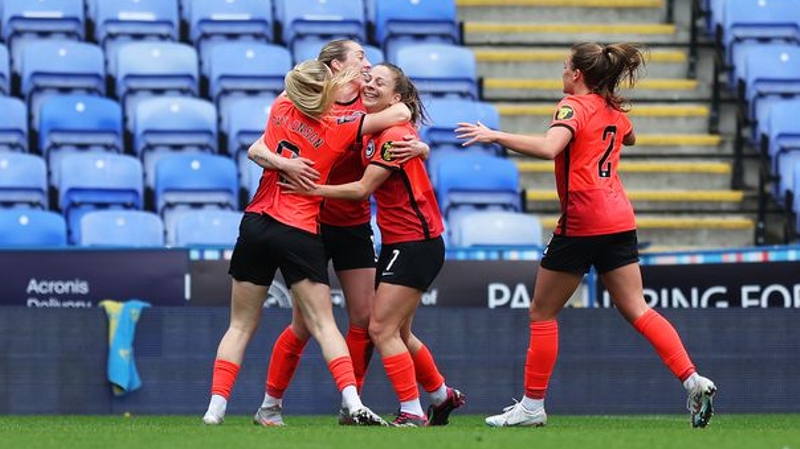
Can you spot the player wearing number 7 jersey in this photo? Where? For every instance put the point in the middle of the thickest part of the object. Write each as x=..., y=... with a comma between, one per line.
x=597, y=225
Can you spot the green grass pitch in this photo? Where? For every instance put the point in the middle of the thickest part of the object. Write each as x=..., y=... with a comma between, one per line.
x=464, y=432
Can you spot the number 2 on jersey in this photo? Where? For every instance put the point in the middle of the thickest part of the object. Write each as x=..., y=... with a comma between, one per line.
x=604, y=166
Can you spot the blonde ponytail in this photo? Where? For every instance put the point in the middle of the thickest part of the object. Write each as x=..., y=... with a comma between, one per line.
x=312, y=88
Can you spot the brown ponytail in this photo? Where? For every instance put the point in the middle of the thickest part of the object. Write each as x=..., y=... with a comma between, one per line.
x=606, y=67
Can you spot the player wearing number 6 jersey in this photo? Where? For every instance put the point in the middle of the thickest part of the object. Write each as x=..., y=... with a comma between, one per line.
x=597, y=225
x=412, y=253
x=279, y=230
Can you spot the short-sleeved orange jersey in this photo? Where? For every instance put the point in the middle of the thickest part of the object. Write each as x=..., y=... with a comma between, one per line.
x=291, y=134
x=348, y=168
x=407, y=207
x=593, y=199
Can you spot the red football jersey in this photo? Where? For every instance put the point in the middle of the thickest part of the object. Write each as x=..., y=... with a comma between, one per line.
x=407, y=207
x=348, y=168
x=593, y=200
x=291, y=134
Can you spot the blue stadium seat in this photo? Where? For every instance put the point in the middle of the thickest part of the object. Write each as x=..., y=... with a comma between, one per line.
x=57, y=66
x=444, y=153
x=121, y=228
x=469, y=182
x=496, y=228
x=22, y=228
x=78, y=123
x=781, y=131
x=25, y=20
x=246, y=68
x=185, y=181
x=403, y=22
x=309, y=22
x=23, y=180
x=796, y=190
x=13, y=124
x=148, y=68
x=205, y=228
x=440, y=69
x=769, y=74
x=251, y=173
x=748, y=23
x=124, y=20
x=5, y=72
x=245, y=122
x=163, y=125
x=89, y=181
x=211, y=20
x=446, y=113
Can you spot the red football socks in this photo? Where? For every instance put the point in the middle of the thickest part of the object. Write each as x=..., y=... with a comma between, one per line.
x=667, y=343
x=286, y=354
x=541, y=357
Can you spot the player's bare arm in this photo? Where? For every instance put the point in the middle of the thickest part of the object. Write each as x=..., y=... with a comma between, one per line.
x=359, y=190
x=298, y=170
x=547, y=146
x=396, y=114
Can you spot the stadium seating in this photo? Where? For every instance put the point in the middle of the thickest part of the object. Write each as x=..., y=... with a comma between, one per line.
x=213, y=20
x=245, y=68
x=78, y=123
x=796, y=189
x=13, y=125
x=781, y=136
x=496, y=228
x=440, y=69
x=164, y=125
x=149, y=68
x=23, y=180
x=446, y=113
x=243, y=125
x=310, y=22
x=470, y=182
x=25, y=20
x=58, y=66
x=748, y=23
x=25, y=228
x=205, y=228
x=770, y=73
x=121, y=228
x=89, y=181
x=124, y=20
x=5, y=72
x=404, y=22
x=184, y=181
x=250, y=174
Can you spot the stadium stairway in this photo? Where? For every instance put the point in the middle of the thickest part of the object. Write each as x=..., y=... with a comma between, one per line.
x=678, y=176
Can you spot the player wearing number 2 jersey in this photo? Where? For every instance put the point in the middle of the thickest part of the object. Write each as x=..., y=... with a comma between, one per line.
x=279, y=230
x=596, y=228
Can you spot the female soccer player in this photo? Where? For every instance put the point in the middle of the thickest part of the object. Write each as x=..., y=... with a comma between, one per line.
x=347, y=235
x=279, y=230
x=412, y=253
x=597, y=225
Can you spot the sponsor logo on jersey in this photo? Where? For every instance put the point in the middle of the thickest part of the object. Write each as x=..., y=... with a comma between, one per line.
x=386, y=152
x=565, y=113
x=370, y=149
x=347, y=118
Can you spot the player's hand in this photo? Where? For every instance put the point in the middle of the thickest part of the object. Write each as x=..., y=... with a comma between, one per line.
x=300, y=172
x=474, y=133
x=289, y=186
x=408, y=148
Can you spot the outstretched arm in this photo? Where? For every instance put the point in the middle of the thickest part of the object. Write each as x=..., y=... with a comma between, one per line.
x=298, y=170
x=396, y=114
x=543, y=147
x=359, y=190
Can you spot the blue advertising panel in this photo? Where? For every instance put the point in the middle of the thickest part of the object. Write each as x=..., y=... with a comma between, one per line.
x=83, y=278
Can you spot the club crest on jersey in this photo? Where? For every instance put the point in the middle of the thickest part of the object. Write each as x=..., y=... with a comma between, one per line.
x=370, y=149
x=565, y=113
x=386, y=152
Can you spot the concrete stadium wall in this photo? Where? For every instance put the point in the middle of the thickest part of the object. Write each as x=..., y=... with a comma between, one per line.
x=54, y=362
